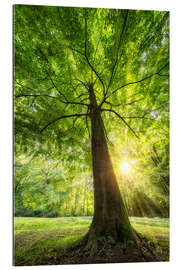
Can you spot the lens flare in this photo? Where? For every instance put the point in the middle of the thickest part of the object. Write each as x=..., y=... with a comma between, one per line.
x=125, y=168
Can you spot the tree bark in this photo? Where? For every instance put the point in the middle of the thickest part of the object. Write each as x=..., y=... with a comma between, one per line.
x=110, y=216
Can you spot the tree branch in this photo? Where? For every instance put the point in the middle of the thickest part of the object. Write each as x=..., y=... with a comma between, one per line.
x=49, y=96
x=110, y=110
x=132, y=102
x=119, y=44
x=56, y=86
x=139, y=81
x=65, y=102
x=143, y=79
x=61, y=117
x=120, y=104
x=93, y=69
x=134, y=117
x=75, y=50
x=47, y=61
x=33, y=95
x=131, y=117
x=87, y=123
x=91, y=66
x=27, y=87
x=85, y=32
x=86, y=57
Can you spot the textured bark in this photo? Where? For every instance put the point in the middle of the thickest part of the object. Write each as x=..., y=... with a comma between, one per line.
x=110, y=216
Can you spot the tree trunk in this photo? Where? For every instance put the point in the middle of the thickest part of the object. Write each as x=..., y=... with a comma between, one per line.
x=84, y=199
x=75, y=202
x=87, y=204
x=110, y=216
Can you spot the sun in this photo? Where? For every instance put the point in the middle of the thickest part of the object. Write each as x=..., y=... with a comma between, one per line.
x=125, y=168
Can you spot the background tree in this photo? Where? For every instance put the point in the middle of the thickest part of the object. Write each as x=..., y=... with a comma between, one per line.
x=77, y=67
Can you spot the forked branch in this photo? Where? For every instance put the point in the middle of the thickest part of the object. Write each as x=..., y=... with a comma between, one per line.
x=62, y=117
x=110, y=110
x=49, y=96
x=135, y=82
x=86, y=56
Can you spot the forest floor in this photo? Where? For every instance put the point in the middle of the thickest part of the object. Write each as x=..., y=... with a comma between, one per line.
x=48, y=241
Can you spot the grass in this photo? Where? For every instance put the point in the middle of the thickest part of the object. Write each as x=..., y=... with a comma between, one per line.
x=24, y=224
x=151, y=227
x=40, y=240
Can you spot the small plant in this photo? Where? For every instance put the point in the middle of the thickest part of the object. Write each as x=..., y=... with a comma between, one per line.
x=109, y=240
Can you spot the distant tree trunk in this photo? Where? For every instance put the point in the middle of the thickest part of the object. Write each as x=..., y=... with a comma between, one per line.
x=156, y=160
x=110, y=216
x=75, y=203
x=84, y=199
x=87, y=205
x=66, y=208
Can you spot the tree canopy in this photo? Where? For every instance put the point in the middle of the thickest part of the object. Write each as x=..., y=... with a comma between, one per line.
x=124, y=55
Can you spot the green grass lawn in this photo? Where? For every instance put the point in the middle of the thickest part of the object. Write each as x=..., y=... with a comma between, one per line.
x=39, y=240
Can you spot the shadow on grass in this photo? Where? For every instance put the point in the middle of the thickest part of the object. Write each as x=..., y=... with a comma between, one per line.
x=44, y=241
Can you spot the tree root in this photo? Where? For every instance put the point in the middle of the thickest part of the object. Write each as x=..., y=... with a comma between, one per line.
x=93, y=245
x=103, y=249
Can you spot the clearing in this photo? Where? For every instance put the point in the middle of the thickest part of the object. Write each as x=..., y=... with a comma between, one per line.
x=44, y=241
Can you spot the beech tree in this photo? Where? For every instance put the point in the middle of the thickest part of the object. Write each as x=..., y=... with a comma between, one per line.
x=76, y=71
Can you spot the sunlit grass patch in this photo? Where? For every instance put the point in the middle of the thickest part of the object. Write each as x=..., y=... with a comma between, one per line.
x=155, y=230
x=151, y=226
x=27, y=224
x=41, y=240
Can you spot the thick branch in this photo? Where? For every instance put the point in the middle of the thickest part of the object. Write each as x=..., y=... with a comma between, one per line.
x=109, y=110
x=62, y=117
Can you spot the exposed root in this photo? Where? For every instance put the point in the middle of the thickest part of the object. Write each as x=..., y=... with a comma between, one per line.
x=104, y=250
x=92, y=245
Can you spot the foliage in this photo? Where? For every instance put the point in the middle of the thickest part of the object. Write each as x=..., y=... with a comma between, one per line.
x=42, y=189
x=124, y=54
x=41, y=240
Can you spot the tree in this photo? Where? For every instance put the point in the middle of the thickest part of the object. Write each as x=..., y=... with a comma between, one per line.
x=79, y=66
